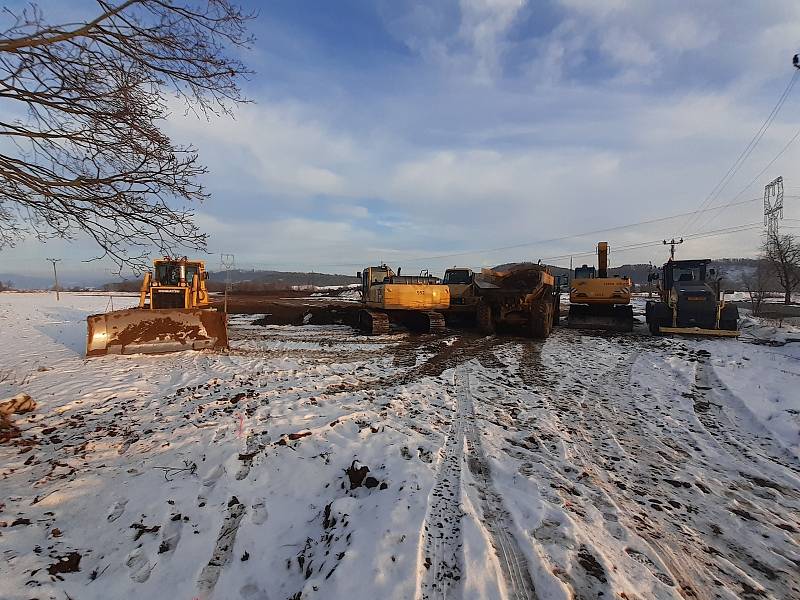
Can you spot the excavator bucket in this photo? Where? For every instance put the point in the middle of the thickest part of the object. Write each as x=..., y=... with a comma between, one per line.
x=141, y=331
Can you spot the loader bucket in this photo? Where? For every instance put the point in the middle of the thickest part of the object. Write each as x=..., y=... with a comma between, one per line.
x=141, y=331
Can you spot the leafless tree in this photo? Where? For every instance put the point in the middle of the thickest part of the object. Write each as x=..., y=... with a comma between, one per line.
x=757, y=284
x=782, y=253
x=81, y=149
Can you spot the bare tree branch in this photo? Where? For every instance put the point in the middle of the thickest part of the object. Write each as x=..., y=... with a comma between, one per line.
x=81, y=150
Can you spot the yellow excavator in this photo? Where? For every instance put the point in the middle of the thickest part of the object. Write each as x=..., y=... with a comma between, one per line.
x=174, y=313
x=597, y=301
x=410, y=300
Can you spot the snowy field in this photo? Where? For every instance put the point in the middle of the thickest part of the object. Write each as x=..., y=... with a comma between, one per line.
x=314, y=462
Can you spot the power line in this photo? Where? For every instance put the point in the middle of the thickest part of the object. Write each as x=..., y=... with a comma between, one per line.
x=758, y=176
x=540, y=242
x=746, y=152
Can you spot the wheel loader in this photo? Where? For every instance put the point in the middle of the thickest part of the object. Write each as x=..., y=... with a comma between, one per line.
x=174, y=314
x=524, y=300
x=412, y=301
x=597, y=301
x=691, y=301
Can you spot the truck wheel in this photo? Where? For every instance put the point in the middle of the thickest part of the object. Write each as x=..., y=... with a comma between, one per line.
x=541, y=322
x=557, y=311
x=485, y=320
x=654, y=327
x=729, y=319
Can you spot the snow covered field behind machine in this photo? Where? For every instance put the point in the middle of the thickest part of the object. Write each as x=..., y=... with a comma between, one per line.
x=313, y=462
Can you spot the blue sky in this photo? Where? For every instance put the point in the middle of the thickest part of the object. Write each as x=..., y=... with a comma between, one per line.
x=424, y=133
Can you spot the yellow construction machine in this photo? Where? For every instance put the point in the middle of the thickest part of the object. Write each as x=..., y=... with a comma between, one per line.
x=597, y=301
x=174, y=314
x=409, y=300
x=523, y=299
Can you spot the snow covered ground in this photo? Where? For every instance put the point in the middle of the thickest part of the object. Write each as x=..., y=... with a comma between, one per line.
x=314, y=462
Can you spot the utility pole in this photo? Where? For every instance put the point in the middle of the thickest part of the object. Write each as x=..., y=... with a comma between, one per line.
x=672, y=243
x=773, y=207
x=55, y=275
x=228, y=261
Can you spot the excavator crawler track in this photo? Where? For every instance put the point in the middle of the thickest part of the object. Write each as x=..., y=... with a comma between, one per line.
x=436, y=323
x=373, y=322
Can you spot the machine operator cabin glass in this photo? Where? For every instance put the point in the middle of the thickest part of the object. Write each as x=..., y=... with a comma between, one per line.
x=686, y=274
x=191, y=271
x=459, y=276
x=168, y=274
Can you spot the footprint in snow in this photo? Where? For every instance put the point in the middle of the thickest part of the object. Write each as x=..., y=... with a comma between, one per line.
x=250, y=591
x=171, y=535
x=139, y=565
x=117, y=510
x=210, y=480
x=259, y=512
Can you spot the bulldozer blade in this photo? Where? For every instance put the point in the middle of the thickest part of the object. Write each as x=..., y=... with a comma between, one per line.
x=699, y=331
x=141, y=331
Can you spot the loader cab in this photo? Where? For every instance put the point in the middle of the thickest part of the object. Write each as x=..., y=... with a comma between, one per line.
x=585, y=272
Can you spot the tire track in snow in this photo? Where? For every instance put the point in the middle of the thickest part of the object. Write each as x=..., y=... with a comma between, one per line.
x=496, y=518
x=442, y=548
x=718, y=409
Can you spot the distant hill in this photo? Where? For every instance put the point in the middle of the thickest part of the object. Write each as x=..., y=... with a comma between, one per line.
x=279, y=279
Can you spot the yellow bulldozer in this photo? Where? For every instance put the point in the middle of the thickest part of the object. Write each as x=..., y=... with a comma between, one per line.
x=174, y=314
x=409, y=300
x=598, y=301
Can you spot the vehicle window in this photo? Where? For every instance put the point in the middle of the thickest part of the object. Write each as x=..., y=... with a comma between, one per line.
x=456, y=277
x=168, y=274
x=686, y=274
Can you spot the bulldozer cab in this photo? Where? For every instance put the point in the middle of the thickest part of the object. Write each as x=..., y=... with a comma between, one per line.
x=175, y=283
x=585, y=272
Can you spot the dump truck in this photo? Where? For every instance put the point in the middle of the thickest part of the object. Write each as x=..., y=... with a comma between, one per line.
x=524, y=299
x=597, y=300
x=174, y=313
x=692, y=301
x=413, y=301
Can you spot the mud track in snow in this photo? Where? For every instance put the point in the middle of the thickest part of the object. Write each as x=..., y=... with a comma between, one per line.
x=705, y=517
